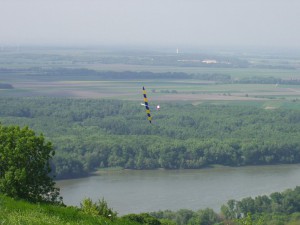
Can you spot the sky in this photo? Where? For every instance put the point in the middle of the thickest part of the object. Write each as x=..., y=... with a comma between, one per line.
x=260, y=23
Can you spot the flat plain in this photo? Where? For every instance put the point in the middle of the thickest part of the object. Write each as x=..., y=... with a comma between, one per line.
x=24, y=66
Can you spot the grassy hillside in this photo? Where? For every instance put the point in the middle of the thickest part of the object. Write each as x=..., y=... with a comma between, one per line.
x=21, y=212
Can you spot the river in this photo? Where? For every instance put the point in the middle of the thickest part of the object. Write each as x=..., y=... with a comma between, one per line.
x=129, y=191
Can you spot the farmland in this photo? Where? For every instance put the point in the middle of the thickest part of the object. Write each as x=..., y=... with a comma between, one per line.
x=239, y=78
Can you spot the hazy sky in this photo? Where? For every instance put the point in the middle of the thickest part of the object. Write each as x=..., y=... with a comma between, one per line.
x=151, y=22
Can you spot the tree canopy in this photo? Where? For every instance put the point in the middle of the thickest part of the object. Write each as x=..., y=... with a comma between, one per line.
x=88, y=134
x=25, y=165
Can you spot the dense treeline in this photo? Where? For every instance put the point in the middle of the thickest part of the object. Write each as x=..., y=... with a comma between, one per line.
x=5, y=86
x=91, y=134
x=267, y=80
x=54, y=73
x=81, y=57
x=88, y=74
x=286, y=203
x=278, y=208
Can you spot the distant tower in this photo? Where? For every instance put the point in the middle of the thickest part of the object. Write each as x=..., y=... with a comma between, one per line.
x=177, y=50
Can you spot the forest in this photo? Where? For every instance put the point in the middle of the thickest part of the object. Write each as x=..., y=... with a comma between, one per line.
x=89, y=74
x=277, y=208
x=89, y=134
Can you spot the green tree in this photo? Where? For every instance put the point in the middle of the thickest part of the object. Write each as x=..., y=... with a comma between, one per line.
x=25, y=165
x=183, y=216
x=204, y=217
x=248, y=220
x=143, y=218
x=98, y=208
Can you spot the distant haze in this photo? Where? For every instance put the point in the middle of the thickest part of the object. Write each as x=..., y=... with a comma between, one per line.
x=266, y=23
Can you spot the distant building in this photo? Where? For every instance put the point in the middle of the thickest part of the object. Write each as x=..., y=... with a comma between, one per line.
x=209, y=61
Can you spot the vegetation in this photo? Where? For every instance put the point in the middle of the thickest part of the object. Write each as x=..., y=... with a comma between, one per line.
x=48, y=74
x=5, y=86
x=24, y=171
x=96, y=74
x=92, y=134
x=287, y=202
x=25, y=165
x=276, y=209
x=185, y=216
x=22, y=212
x=100, y=208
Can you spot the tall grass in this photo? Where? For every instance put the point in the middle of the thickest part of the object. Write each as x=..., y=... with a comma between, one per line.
x=21, y=212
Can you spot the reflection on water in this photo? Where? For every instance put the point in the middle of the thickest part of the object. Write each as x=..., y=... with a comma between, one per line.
x=130, y=191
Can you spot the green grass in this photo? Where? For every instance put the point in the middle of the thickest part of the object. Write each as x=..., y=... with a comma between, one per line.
x=21, y=212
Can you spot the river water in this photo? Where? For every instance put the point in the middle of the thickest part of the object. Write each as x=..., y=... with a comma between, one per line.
x=129, y=191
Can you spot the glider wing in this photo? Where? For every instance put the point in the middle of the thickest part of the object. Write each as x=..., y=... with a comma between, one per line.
x=147, y=105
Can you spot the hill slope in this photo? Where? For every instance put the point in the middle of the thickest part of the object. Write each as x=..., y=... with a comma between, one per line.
x=21, y=212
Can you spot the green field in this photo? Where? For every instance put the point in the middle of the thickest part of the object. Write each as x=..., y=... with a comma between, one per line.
x=28, y=64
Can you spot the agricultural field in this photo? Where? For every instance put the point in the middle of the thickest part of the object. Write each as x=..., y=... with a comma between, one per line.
x=32, y=72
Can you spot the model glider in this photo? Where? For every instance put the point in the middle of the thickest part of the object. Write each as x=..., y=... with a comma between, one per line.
x=146, y=105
